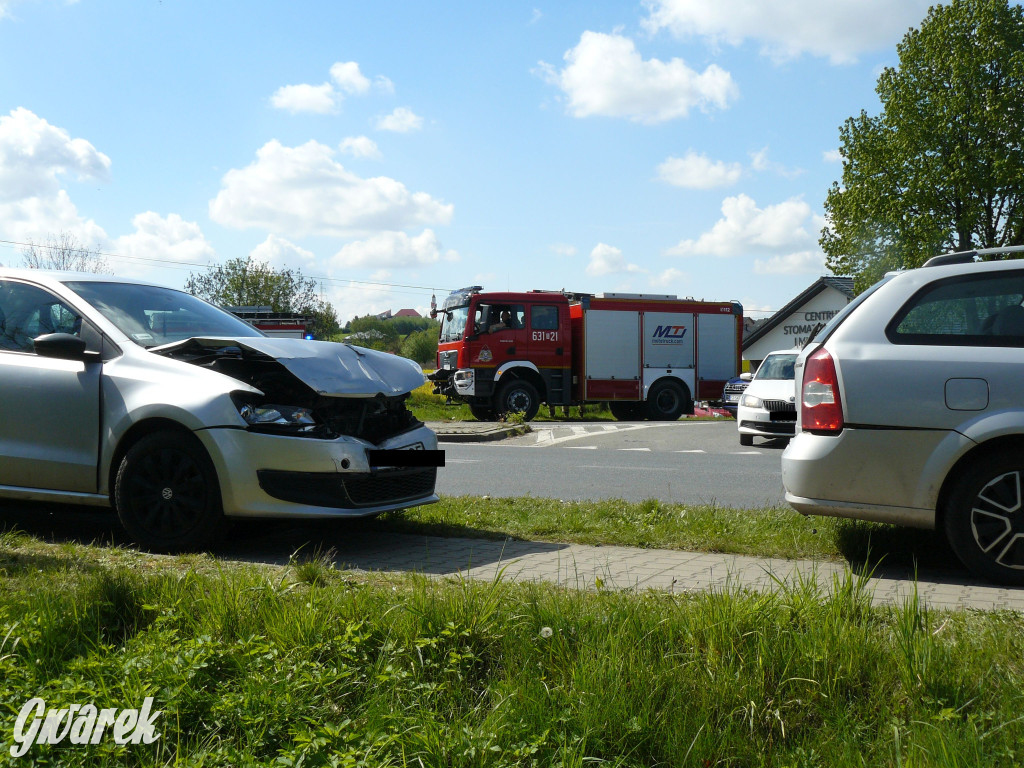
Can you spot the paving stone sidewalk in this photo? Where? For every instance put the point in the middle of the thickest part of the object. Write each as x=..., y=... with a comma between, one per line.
x=586, y=567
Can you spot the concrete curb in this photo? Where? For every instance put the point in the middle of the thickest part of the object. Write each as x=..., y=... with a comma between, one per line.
x=475, y=432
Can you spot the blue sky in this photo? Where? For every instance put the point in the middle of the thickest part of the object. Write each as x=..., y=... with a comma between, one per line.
x=392, y=148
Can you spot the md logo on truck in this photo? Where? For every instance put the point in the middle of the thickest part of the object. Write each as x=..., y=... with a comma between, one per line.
x=668, y=334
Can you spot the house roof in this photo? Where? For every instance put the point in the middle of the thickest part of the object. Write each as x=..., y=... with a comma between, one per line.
x=842, y=284
x=406, y=313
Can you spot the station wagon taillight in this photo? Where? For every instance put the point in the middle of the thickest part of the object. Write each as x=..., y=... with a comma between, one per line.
x=821, y=408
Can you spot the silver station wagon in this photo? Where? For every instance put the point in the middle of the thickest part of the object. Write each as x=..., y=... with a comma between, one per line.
x=178, y=414
x=912, y=409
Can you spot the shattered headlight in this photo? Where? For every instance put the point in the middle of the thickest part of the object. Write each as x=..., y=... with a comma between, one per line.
x=285, y=417
x=276, y=414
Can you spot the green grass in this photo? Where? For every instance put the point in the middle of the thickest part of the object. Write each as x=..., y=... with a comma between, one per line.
x=307, y=665
x=430, y=407
x=767, y=532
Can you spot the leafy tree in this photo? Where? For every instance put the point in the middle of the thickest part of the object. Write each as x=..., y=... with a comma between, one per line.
x=64, y=252
x=942, y=167
x=421, y=346
x=375, y=333
x=248, y=282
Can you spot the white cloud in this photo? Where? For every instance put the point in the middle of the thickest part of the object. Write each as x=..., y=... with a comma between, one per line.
x=669, y=276
x=319, y=99
x=402, y=120
x=360, y=146
x=608, y=260
x=832, y=156
x=280, y=253
x=394, y=249
x=348, y=77
x=800, y=263
x=36, y=218
x=779, y=230
x=695, y=171
x=536, y=16
x=759, y=162
x=303, y=191
x=839, y=30
x=563, y=249
x=606, y=75
x=164, y=239
x=34, y=158
x=33, y=153
x=327, y=98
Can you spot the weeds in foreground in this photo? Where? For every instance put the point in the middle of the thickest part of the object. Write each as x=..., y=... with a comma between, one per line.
x=308, y=666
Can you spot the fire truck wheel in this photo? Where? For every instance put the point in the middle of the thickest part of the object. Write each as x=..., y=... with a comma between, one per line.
x=628, y=411
x=482, y=413
x=518, y=396
x=667, y=401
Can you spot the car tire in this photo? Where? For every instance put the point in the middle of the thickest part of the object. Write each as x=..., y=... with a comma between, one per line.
x=746, y=440
x=630, y=411
x=518, y=396
x=667, y=401
x=984, y=517
x=167, y=495
x=482, y=413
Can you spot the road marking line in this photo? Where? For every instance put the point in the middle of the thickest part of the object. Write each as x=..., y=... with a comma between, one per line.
x=462, y=461
x=744, y=453
x=578, y=430
x=582, y=447
x=698, y=450
x=648, y=450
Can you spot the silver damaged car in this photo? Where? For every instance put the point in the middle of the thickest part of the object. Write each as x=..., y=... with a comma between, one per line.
x=178, y=414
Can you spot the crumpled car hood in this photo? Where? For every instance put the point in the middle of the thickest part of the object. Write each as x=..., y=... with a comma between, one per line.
x=329, y=368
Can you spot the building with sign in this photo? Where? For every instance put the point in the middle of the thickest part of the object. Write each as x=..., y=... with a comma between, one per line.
x=794, y=323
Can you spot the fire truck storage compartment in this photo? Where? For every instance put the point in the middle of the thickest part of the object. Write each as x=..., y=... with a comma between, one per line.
x=717, y=333
x=612, y=360
x=668, y=340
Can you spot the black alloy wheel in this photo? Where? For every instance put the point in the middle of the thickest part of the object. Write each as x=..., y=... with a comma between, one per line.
x=167, y=495
x=985, y=518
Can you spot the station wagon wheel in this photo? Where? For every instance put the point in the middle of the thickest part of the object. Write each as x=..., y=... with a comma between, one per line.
x=985, y=518
x=667, y=401
x=167, y=495
x=518, y=396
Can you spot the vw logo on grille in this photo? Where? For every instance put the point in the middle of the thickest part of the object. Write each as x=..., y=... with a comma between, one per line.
x=167, y=493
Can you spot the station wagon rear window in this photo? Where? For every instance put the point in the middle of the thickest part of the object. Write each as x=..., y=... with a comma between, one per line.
x=985, y=310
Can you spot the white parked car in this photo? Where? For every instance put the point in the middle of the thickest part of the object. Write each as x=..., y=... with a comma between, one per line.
x=767, y=407
x=912, y=410
x=178, y=414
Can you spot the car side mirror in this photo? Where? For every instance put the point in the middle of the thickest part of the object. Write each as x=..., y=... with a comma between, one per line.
x=746, y=376
x=62, y=346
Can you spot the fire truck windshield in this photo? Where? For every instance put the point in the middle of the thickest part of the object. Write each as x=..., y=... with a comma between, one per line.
x=453, y=324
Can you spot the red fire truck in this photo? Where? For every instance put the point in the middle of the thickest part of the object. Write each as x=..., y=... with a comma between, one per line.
x=646, y=356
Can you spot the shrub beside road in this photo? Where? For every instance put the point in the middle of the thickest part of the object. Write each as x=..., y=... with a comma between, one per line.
x=306, y=665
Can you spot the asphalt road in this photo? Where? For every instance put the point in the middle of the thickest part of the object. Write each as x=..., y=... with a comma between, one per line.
x=696, y=462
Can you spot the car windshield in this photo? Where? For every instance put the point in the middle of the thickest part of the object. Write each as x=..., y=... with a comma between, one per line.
x=150, y=315
x=777, y=368
x=453, y=324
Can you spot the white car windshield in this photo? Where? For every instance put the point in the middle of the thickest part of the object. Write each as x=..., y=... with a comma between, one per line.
x=776, y=368
x=150, y=315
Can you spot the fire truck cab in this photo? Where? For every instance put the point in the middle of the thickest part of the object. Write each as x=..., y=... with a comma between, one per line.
x=647, y=356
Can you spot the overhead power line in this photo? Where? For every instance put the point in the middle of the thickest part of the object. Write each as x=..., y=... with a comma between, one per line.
x=189, y=265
